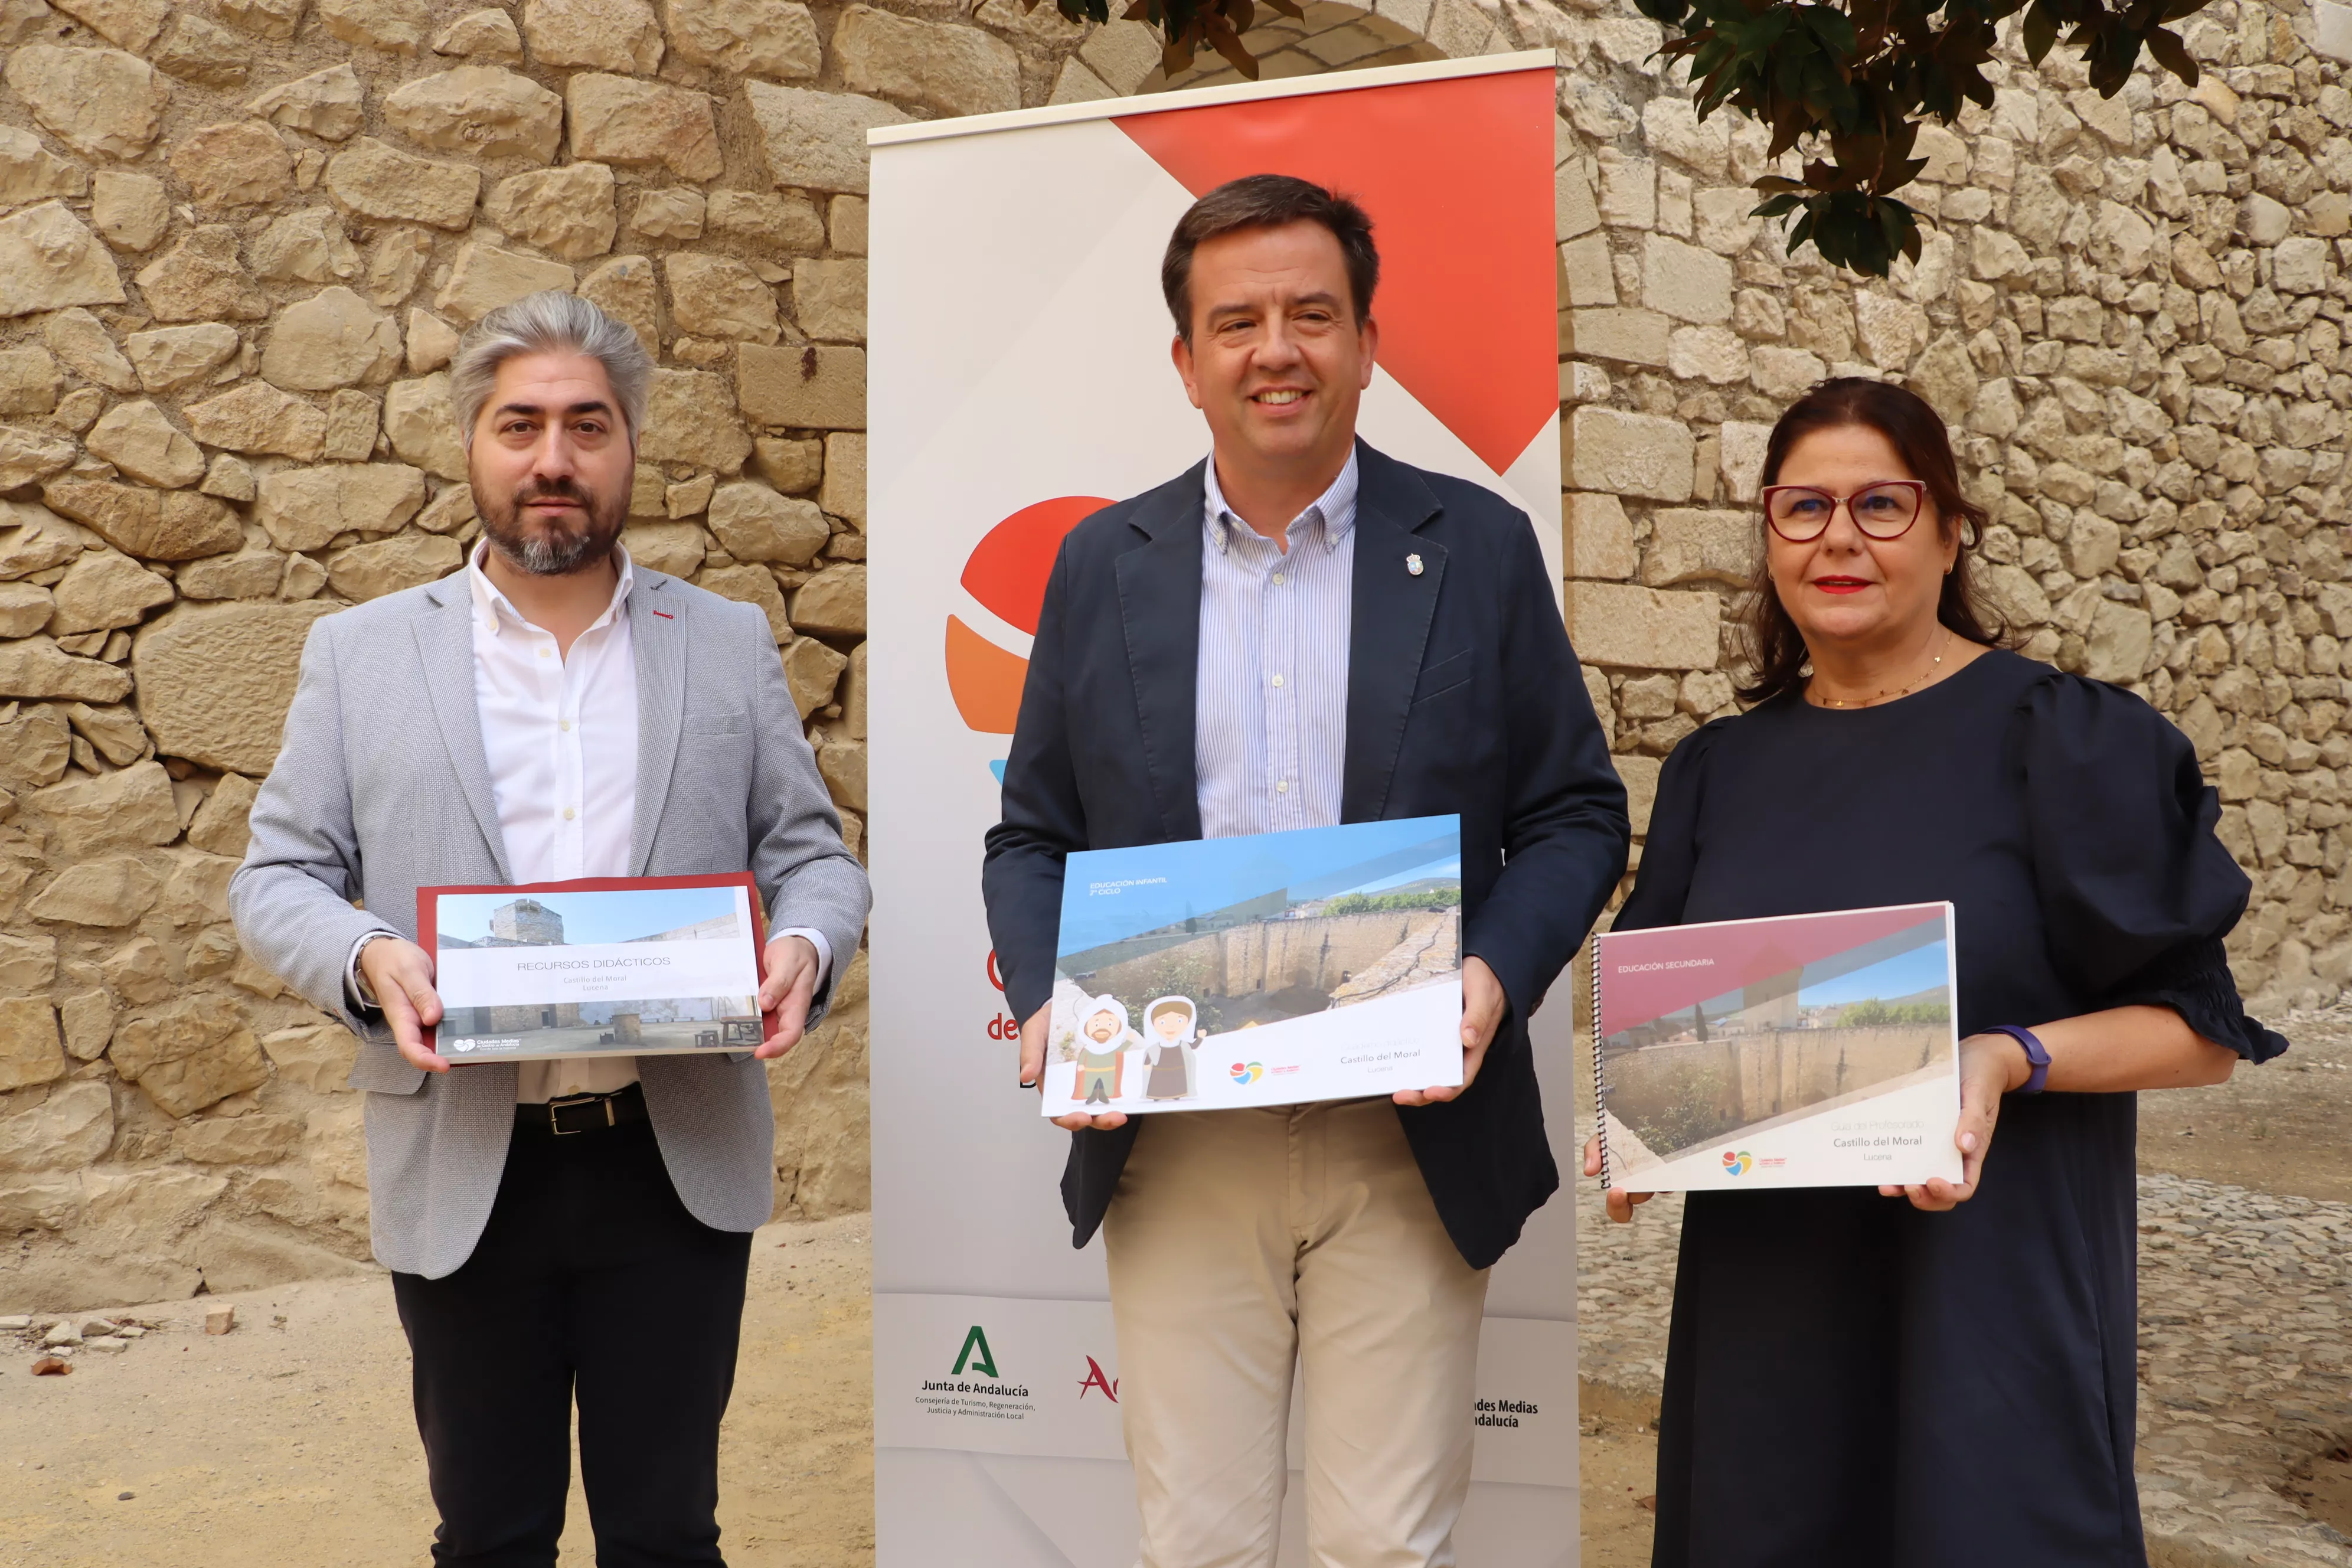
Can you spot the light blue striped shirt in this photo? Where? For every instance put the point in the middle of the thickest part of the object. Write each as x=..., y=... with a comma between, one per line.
x=1270, y=695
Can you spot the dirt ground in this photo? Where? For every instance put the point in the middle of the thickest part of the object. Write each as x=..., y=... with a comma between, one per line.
x=288, y=1443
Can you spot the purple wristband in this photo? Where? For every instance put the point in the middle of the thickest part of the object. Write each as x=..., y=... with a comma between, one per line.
x=2035, y=1052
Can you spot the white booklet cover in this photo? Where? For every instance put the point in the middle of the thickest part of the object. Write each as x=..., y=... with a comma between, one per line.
x=1801, y=1051
x=624, y=966
x=1271, y=968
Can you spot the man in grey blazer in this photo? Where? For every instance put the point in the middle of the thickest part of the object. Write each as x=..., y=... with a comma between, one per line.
x=551, y=711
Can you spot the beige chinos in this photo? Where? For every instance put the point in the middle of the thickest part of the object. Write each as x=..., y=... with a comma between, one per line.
x=1239, y=1239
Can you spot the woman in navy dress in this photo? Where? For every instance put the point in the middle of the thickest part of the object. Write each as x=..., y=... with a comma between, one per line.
x=1937, y=1376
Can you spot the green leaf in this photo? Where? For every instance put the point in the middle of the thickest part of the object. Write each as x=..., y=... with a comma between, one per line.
x=2041, y=31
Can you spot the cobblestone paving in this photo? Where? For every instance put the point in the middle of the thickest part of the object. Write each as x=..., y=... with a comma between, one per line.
x=2245, y=1320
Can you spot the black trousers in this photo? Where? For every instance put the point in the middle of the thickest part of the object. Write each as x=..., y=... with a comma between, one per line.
x=591, y=1282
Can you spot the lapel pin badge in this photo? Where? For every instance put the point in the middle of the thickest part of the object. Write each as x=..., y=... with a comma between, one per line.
x=1412, y=564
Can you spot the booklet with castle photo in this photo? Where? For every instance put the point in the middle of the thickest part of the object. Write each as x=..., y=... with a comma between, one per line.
x=1802, y=1051
x=620, y=965
x=1272, y=969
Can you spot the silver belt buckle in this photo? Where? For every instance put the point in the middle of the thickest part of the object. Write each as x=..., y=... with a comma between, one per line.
x=555, y=1123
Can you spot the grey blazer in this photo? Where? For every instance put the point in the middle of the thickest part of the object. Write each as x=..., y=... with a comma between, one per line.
x=382, y=786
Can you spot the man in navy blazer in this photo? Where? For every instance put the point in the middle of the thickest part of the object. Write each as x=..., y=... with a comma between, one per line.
x=1296, y=632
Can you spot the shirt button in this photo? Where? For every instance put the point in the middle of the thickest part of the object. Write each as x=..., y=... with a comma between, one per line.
x=568, y=813
x=565, y=725
x=1278, y=579
x=1281, y=786
x=544, y=653
x=1278, y=681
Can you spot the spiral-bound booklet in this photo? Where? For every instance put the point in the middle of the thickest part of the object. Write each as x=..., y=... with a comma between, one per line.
x=1799, y=1051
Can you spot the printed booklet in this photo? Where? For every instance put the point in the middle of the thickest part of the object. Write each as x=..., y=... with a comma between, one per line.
x=1321, y=963
x=628, y=965
x=1803, y=1051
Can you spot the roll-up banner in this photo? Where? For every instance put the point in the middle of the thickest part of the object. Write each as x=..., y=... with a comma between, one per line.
x=1019, y=380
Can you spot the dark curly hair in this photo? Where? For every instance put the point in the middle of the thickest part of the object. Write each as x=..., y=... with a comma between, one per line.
x=1774, y=649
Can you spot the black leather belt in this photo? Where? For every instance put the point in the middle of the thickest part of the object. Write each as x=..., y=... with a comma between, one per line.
x=582, y=1113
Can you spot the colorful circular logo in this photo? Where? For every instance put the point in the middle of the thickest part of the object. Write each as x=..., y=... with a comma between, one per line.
x=1006, y=576
x=1247, y=1072
x=1735, y=1161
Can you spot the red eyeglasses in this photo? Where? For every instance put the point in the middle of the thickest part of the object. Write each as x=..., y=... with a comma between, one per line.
x=1884, y=508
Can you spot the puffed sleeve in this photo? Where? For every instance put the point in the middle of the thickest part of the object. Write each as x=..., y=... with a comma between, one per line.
x=1670, y=845
x=2136, y=889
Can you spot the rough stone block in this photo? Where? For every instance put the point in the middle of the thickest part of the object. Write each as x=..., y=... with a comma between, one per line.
x=756, y=37
x=318, y=1056
x=132, y=808
x=845, y=478
x=395, y=26
x=847, y=218
x=755, y=523
x=406, y=560
x=240, y=163
x=154, y=525
x=304, y=508
x=257, y=417
x=624, y=288
x=219, y=826
x=1690, y=545
x=843, y=764
x=945, y=67
x=30, y=1049
x=1685, y=282
x=31, y=172
x=326, y=103
x=104, y=590
x=421, y=423
x=719, y=296
x=485, y=277
x=1600, y=537
x=817, y=139
x=1641, y=628
x=169, y=357
x=25, y=608
x=129, y=211
x=1122, y=54
x=813, y=670
x=488, y=34
x=829, y=300
x=785, y=223
x=190, y=1053
x=102, y=103
x=2120, y=639
x=73, y=1127
x=637, y=124
x=1628, y=454
x=36, y=666
x=371, y=180
x=237, y=1141
x=815, y=387
x=673, y=213
x=690, y=418
x=674, y=548
x=215, y=680
x=480, y=110
x=832, y=602
x=602, y=34
x=27, y=455
x=137, y=438
x=49, y=261
x=202, y=279
x=106, y=893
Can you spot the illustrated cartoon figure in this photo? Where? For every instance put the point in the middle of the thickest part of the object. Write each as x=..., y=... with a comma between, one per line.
x=1169, y=1035
x=1102, y=1061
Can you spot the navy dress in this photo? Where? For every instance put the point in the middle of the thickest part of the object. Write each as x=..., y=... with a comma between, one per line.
x=1850, y=1381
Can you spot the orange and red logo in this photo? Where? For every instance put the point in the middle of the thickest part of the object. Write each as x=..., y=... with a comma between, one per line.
x=1007, y=575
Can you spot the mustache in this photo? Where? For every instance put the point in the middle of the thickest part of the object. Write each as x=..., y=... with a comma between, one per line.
x=563, y=490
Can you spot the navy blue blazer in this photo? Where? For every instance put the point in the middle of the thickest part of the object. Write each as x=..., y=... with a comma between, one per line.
x=1462, y=697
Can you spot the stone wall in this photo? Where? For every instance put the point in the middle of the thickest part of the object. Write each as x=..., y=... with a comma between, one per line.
x=238, y=239
x=2132, y=312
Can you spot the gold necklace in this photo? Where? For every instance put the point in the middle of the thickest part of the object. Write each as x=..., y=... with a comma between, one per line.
x=1890, y=693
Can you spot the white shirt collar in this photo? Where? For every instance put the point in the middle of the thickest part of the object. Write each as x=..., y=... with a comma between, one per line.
x=489, y=601
x=1334, y=511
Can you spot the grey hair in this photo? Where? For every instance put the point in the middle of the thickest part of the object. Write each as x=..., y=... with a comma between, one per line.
x=548, y=321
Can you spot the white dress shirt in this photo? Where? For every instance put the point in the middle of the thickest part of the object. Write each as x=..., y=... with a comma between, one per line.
x=560, y=733
x=1270, y=691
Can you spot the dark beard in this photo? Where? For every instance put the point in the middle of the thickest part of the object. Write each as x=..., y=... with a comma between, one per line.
x=552, y=553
